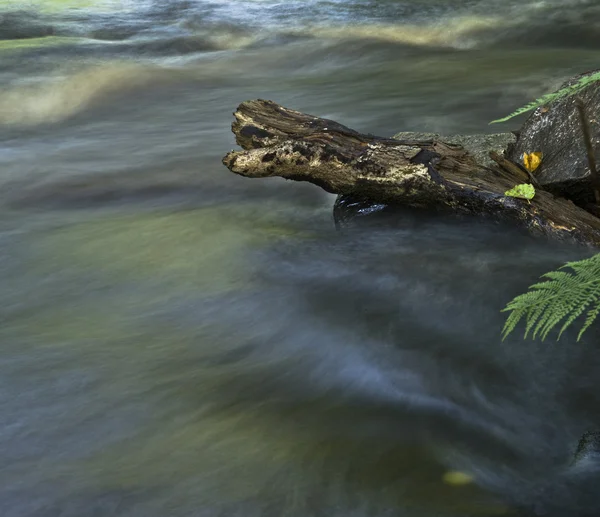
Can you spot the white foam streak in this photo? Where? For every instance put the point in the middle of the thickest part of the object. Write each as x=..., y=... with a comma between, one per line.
x=457, y=32
x=57, y=100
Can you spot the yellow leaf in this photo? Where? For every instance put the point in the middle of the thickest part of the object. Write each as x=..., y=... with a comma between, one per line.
x=457, y=478
x=532, y=161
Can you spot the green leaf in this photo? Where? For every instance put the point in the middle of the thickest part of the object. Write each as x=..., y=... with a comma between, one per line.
x=522, y=191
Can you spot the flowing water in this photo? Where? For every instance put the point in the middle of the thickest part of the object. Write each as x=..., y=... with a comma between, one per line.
x=178, y=341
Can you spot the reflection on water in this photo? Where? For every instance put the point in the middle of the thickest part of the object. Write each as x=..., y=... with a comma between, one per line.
x=177, y=341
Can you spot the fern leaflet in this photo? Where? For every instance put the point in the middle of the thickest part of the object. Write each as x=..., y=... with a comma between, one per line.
x=551, y=97
x=559, y=300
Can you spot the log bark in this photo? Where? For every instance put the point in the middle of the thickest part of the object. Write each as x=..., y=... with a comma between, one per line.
x=429, y=174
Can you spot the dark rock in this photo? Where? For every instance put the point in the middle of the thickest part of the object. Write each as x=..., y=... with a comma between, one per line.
x=555, y=130
x=347, y=209
x=479, y=146
x=588, y=448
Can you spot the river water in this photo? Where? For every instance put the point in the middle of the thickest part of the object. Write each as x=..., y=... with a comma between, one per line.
x=178, y=341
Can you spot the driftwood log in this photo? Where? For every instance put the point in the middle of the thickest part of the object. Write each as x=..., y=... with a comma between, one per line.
x=430, y=174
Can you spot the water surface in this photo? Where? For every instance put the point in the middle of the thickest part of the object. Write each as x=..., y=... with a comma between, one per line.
x=178, y=341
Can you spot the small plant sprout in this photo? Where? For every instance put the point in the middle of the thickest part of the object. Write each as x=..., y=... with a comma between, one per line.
x=523, y=191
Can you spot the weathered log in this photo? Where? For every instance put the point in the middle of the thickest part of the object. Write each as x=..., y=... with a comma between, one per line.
x=430, y=174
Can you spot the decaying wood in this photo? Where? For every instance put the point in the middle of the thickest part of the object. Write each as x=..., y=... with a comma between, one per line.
x=515, y=172
x=431, y=174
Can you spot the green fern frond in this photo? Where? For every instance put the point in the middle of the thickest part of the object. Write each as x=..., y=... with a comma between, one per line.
x=551, y=97
x=591, y=316
x=560, y=300
x=546, y=99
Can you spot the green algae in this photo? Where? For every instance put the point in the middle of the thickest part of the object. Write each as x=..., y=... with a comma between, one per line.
x=205, y=250
x=45, y=41
x=50, y=6
x=233, y=457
